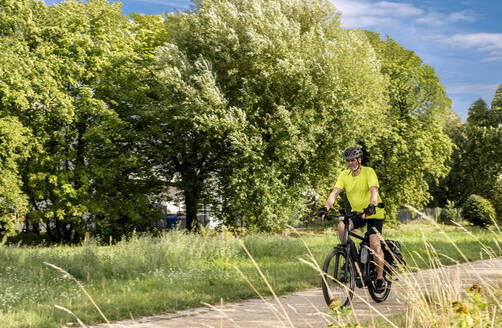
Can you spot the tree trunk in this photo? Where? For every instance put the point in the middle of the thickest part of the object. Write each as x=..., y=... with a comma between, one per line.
x=192, y=198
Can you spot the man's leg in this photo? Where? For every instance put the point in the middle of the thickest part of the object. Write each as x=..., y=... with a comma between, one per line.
x=341, y=228
x=374, y=226
x=379, y=257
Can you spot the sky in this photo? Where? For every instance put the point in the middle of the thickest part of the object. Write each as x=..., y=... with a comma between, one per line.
x=460, y=39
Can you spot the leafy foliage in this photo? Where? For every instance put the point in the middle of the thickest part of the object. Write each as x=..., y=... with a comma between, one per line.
x=450, y=212
x=478, y=113
x=478, y=210
x=256, y=89
x=14, y=147
x=478, y=159
x=62, y=67
x=497, y=99
x=412, y=148
x=245, y=106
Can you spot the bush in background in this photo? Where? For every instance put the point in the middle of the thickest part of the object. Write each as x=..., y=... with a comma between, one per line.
x=450, y=212
x=478, y=210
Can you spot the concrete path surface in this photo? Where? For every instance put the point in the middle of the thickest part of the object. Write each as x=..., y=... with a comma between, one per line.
x=308, y=309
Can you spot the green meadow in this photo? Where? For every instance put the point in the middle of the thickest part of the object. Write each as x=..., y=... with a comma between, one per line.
x=148, y=275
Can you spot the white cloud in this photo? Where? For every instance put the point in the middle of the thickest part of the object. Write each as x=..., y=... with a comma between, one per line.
x=473, y=88
x=397, y=9
x=490, y=43
x=381, y=8
x=440, y=19
x=170, y=3
x=487, y=41
x=367, y=21
x=365, y=14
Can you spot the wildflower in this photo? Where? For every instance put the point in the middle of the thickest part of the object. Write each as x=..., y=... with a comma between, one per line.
x=476, y=288
x=460, y=307
x=334, y=304
x=463, y=309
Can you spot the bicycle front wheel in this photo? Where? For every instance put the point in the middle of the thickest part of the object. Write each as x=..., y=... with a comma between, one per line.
x=338, y=281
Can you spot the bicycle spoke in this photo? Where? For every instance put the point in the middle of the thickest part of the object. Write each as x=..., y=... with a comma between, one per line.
x=341, y=284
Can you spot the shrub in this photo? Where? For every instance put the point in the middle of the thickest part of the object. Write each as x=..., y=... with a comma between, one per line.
x=478, y=210
x=450, y=212
x=496, y=196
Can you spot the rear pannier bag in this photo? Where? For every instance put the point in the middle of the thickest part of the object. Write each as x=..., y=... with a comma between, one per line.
x=392, y=254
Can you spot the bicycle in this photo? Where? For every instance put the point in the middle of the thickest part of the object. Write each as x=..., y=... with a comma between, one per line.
x=346, y=267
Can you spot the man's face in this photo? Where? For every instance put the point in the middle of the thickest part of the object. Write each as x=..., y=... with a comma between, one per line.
x=352, y=164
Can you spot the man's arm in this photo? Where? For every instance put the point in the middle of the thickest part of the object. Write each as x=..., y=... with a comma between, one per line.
x=331, y=199
x=374, y=195
x=373, y=200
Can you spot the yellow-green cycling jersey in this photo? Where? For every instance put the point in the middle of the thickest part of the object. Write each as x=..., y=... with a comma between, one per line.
x=358, y=189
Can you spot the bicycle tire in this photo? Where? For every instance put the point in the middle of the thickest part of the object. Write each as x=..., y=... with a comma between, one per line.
x=378, y=297
x=343, y=290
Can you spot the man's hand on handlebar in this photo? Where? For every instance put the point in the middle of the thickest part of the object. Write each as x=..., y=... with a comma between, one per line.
x=370, y=210
x=322, y=212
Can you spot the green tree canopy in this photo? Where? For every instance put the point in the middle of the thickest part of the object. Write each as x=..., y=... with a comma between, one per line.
x=497, y=99
x=68, y=80
x=413, y=147
x=477, y=165
x=243, y=105
x=261, y=98
x=14, y=148
x=478, y=114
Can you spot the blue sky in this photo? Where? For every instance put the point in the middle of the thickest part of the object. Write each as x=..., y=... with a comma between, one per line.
x=460, y=39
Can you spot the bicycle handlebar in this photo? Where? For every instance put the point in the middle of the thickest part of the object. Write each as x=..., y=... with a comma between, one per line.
x=341, y=217
x=350, y=215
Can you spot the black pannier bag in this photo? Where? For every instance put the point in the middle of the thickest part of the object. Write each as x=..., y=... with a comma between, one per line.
x=392, y=255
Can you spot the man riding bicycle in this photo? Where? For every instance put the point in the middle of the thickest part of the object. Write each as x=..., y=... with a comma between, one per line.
x=361, y=185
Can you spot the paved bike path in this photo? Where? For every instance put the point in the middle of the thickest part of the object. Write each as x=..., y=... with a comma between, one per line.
x=307, y=308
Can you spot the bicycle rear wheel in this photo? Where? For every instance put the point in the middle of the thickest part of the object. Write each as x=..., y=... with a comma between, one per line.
x=338, y=283
x=378, y=297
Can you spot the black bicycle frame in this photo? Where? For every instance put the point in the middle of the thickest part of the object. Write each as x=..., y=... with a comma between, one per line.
x=351, y=250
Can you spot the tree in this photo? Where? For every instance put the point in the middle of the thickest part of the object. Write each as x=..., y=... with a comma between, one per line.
x=497, y=99
x=480, y=157
x=24, y=87
x=496, y=195
x=14, y=148
x=453, y=125
x=413, y=148
x=451, y=188
x=260, y=98
x=69, y=81
x=478, y=114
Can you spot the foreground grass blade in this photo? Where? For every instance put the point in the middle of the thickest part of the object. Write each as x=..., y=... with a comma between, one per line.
x=81, y=287
x=266, y=282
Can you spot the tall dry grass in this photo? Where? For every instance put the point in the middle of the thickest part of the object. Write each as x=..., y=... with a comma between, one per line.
x=132, y=278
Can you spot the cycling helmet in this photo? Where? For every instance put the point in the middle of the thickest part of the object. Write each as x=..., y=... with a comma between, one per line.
x=352, y=153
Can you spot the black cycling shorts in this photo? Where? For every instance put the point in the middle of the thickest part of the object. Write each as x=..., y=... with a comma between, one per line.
x=376, y=223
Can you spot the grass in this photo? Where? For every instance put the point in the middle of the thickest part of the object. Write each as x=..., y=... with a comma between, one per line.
x=451, y=314
x=151, y=275
x=445, y=303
